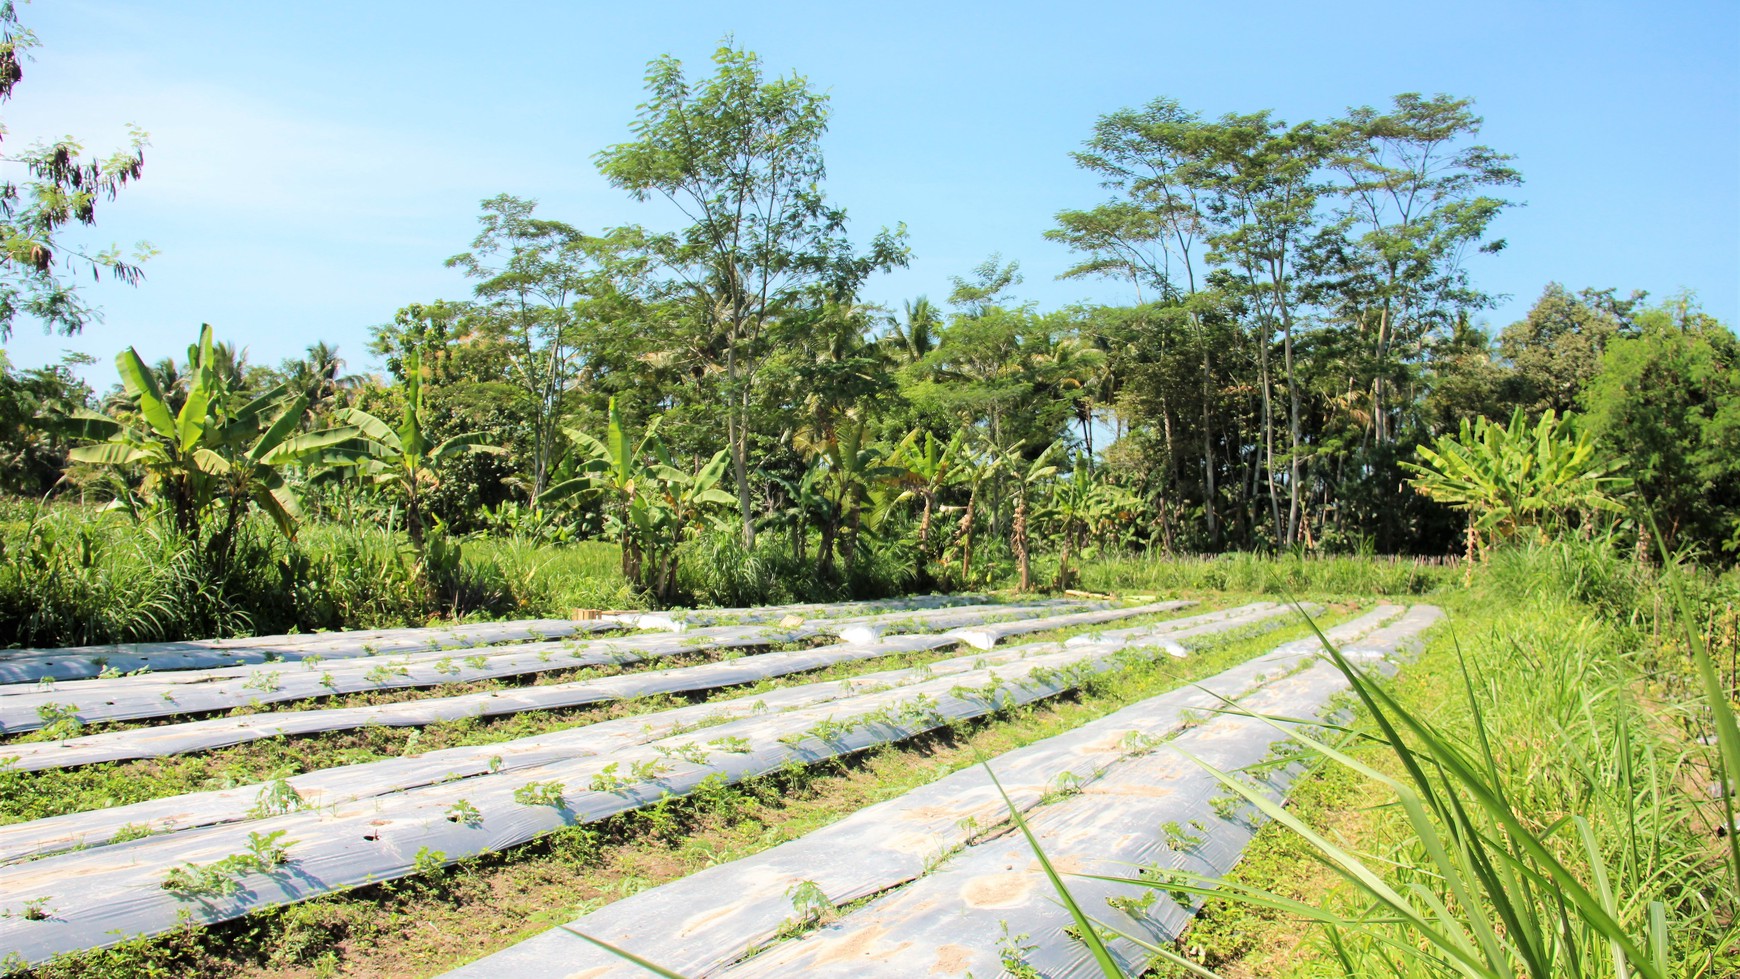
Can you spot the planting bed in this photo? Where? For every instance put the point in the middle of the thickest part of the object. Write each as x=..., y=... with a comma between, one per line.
x=81, y=880
x=954, y=893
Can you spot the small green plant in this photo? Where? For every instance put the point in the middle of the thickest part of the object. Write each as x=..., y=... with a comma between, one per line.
x=276, y=798
x=130, y=832
x=1012, y=952
x=1135, y=907
x=445, y=666
x=608, y=780
x=649, y=769
x=265, y=853
x=1180, y=839
x=428, y=863
x=1226, y=806
x=736, y=744
x=1139, y=743
x=385, y=672
x=539, y=794
x=828, y=729
x=688, y=751
x=35, y=909
x=265, y=681
x=476, y=662
x=464, y=813
x=1063, y=785
x=811, y=905
x=59, y=720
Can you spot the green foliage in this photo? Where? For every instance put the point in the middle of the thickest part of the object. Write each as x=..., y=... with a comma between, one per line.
x=1518, y=479
x=652, y=506
x=403, y=458
x=1498, y=860
x=75, y=576
x=33, y=455
x=539, y=794
x=1668, y=398
x=265, y=854
x=223, y=447
x=38, y=261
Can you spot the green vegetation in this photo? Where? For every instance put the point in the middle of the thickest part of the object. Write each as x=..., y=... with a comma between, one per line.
x=1302, y=353
x=1297, y=406
x=1516, y=803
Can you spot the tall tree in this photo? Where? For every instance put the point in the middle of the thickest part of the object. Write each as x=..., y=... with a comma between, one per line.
x=739, y=154
x=1556, y=349
x=1263, y=178
x=1668, y=399
x=1413, y=196
x=1152, y=231
x=540, y=285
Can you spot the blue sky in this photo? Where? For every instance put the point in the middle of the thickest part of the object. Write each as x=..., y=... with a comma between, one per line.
x=313, y=164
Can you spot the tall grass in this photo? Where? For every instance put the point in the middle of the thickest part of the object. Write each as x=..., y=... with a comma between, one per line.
x=1541, y=823
x=75, y=576
x=1335, y=575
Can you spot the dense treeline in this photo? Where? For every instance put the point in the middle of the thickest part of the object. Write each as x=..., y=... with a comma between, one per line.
x=1305, y=319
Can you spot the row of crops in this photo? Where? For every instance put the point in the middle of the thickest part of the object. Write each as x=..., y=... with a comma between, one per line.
x=86, y=879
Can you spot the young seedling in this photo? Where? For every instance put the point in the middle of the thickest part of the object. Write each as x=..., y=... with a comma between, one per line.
x=465, y=814
x=811, y=905
x=266, y=852
x=539, y=794
x=1012, y=951
x=276, y=798
x=429, y=863
x=1179, y=839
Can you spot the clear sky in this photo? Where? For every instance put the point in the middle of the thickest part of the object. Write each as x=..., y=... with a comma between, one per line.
x=313, y=164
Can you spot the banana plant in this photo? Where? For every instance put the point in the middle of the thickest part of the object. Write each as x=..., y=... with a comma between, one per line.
x=923, y=466
x=1025, y=479
x=976, y=463
x=649, y=502
x=215, y=449
x=1086, y=508
x=852, y=464
x=1515, y=479
x=805, y=506
x=403, y=458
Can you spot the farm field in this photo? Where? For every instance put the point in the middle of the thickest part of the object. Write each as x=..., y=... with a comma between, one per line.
x=768, y=791
x=529, y=504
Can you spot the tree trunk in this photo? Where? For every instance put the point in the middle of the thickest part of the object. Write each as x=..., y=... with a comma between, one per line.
x=739, y=437
x=1269, y=435
x=1295, y=465
x=1019, y=539
x=967, y=535
x=1208, y=489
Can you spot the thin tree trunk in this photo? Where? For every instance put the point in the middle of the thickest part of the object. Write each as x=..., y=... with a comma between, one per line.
x=1269, y=434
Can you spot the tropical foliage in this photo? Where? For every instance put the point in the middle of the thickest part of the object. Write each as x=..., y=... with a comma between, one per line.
x=1515, y=478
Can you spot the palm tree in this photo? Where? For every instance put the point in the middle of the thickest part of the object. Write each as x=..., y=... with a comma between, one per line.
x=909, y=342
x=319, y=374
x=1073, y=369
